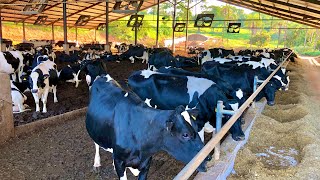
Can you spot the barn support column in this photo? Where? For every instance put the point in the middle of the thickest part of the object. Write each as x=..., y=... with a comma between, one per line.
x=107, y=46
x=23, y=32
x=188, y=8
x=76, y=34
x=158, y=15
x=173, y=24
x=6, y=116
x=1, y=47
x=95, y=35
x=136, y=34
x=65, y=33
x=52, y=31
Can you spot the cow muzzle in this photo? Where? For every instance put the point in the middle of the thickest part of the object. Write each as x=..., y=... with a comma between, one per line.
x=203, y=167
x=270, y=103
x=34, y=91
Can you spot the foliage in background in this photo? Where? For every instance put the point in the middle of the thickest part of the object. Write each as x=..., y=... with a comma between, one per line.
x=258, y=30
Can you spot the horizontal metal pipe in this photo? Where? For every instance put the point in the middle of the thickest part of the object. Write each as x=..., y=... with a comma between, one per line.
x=188, y=170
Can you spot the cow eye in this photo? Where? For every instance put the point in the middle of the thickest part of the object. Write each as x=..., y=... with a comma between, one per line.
x=186, y=136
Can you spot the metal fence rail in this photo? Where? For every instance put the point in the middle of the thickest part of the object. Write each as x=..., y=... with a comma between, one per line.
x=188, y=170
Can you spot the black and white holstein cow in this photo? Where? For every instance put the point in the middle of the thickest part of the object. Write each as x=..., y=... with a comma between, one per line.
x=208, y=55
x=18, y=99
x=44, y=79
x=168, y=91
x=136, y=52
x=11, y=63
x=241, y=75
x=92, y=70
x=70, y=74
x=122, y=123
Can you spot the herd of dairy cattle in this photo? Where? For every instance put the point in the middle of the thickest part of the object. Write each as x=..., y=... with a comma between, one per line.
x=171, y=106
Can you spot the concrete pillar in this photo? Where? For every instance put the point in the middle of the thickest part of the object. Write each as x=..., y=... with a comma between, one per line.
x=1, y=48
x=6, y=115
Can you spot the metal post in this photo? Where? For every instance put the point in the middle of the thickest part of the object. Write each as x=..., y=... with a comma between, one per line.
x=158, y=16
x=76, y=34
x=218, y=128
x=135, y=34
x=52, y=31
x=65, y=33
x=23, y=32
x=188, y=8
x=1, y=32
x=107, y=47
x=173, y=23
x=95, y=35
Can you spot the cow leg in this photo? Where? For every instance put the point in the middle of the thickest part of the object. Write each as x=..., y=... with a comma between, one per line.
x=201, y=134
x=144, y=169
x=44, y=99
x=97, y=164
x=36, y=101
x=120, y=169
x=54, y=90
x=21, y=107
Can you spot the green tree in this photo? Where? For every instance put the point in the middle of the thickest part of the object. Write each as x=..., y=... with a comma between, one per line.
x=261, y=39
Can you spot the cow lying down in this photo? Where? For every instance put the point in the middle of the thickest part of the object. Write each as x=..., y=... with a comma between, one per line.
x=18, y=99
x=122, y=123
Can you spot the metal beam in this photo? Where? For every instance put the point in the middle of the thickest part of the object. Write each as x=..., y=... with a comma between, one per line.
x=72, y=14
x=173, y=24
x=278, y=9
x=158, y=18
x=52, y=31
x=107, y=23
x=65, y=32
x=279, y=15
x=9, y=4
x=45, y=9
x=294, y=6
x=23, y=32
x=187, y=23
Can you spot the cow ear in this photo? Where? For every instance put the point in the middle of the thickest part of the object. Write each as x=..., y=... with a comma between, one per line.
x=169, y=125
x=45, y=76
x=193, y=113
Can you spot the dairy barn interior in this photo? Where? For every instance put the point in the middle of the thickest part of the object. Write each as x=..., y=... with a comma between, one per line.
x=159, y=89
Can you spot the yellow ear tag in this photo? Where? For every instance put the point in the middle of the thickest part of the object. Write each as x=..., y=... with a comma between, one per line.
x=193, y=117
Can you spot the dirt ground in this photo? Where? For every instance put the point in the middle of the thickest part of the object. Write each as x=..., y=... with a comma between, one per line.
x=71, y=98
x=284, y=142
x=67, y=152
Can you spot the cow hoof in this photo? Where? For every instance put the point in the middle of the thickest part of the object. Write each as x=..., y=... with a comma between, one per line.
x=270, y=103
x=97, y=170
x=55, y=101
x=239, y=138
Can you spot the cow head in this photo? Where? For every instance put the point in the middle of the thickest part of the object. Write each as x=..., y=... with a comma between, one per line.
x=235, y=130
x=205, y=56
x=180, y=139
x=269, y=92
x=38, y=80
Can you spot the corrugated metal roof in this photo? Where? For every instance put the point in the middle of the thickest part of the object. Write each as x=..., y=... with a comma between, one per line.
x=11, y=10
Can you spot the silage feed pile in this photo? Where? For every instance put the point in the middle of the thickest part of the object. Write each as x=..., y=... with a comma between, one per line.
x=285, y=140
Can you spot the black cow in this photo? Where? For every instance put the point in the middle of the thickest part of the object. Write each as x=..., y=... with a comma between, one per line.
x=166, y=58
x=136, y=52
x=120, y=121
x=71, y=74
x=92, y=69
x=242, y=76
x=168, y=91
